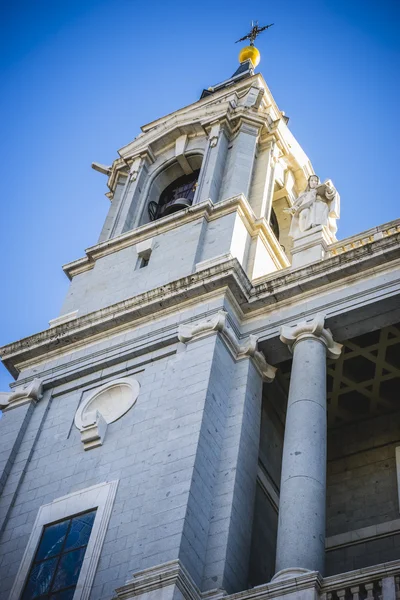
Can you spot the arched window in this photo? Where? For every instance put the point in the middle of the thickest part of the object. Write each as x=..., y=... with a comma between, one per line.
x=176, y=196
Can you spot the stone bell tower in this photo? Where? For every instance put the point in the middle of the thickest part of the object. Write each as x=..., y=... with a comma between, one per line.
x=148, y=374
x=145, y=421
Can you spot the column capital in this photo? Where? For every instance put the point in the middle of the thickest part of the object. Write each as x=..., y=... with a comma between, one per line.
x=311, y=330
x=30, y=392
x=218, y=323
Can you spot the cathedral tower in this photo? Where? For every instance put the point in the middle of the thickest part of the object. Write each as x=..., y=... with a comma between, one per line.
x=185, y=427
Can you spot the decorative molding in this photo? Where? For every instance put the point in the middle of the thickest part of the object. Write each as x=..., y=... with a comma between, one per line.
x=172, y=573
x=135, y=169
x=365, y=237
x=145, y=248
x=219, y=323
x=272, y=291
x=361, y=576
x=50, y=342
x=214, y=141
x=311, y=330
x=206, y=210
x=94, y=431
x=30, y=392
x=104, y=406
x=211, y=262
x=362, y=535
x=309, y=580
x=186, y=333
x=63, y=318
x=214, y=134
x=99, y=496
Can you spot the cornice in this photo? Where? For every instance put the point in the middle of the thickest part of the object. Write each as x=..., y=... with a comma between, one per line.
x=227, y=277
x=215, y=98
x=168, y=574
x=219, y=323
x=289, y=283
x=206, y=210
x=278, y=589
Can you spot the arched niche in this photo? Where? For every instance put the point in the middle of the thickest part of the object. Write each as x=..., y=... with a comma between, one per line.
x=103, y=406
x=164, y=177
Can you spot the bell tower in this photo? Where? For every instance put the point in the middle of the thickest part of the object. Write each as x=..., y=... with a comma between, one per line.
x=185, y=375
x=215, y=177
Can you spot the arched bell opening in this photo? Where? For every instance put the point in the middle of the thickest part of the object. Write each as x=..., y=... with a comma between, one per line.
x=172, y=188
x=178, y=195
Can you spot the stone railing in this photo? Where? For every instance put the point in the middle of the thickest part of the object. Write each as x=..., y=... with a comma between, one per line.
x=380, y=582
x=366, y=237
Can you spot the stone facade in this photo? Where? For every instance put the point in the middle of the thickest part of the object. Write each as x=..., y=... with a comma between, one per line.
x=220, y=404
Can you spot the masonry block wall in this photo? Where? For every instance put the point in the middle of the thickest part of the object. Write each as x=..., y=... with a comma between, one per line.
x=175, y=253
x=362, y=491
x=196, y=421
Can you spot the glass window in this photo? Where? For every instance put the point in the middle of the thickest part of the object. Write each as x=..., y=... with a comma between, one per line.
x=58, y=559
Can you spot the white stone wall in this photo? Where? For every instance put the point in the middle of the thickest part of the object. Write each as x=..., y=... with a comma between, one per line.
x=191, y=424
x=174, y=254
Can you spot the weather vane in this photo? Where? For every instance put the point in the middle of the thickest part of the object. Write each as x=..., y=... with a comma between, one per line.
x=255, y=31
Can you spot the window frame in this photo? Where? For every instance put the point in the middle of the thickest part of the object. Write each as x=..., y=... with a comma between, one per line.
x=100, y=497
x=58, y=556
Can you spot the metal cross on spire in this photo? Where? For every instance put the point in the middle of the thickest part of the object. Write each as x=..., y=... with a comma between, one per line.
x=255, y=31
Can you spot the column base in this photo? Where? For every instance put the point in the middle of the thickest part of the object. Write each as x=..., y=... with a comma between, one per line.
x=289, y=573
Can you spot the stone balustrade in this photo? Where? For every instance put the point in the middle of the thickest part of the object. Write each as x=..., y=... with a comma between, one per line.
x=379, y=582
x=366, y=237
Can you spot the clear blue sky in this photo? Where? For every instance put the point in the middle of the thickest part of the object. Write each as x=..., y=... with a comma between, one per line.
x=79, y=77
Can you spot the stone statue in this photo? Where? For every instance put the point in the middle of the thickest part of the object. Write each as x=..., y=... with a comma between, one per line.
x=319, y=204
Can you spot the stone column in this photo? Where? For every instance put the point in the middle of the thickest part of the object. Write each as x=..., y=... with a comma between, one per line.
x=301, y=528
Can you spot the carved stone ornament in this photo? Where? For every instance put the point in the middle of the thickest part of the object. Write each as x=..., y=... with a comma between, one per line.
x=133, y=175
x=134, y=169
x=29, y=392
x=104, y=406
x=213, y=141
x=219, y=323
x=319, y=204
x=311, y=329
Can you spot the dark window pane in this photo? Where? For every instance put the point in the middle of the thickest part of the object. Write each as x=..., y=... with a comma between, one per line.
x=79, y=533
x=52, y=539
x=68, y=569
x=65, y=595
x=39, y=579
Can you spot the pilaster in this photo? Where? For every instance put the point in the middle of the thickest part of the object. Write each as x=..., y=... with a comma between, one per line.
x=127, y=206
x=262, y=188
x=237, y=413
x=213, y=164
x=240, y=161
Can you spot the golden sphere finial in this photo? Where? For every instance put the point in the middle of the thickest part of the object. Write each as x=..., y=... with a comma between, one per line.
x=250, y=53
